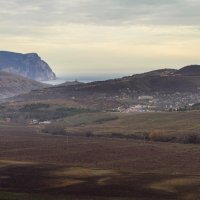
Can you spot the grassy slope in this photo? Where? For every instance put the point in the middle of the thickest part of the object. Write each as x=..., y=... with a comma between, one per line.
x=179, y=122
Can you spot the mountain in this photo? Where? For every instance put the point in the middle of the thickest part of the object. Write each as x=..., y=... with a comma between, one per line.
x=162, y=89
x=12, y=85
x=159, y=72
x=191, y=70
x=28, y=65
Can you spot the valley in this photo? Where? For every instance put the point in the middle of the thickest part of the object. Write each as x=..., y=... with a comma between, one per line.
x=38, y=166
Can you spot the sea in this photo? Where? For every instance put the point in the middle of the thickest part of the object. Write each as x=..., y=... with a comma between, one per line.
x=83, y=79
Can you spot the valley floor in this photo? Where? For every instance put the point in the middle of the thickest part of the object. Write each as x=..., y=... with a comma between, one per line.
x=38, y=166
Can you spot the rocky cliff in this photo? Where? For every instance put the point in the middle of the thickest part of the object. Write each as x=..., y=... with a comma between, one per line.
x=28, y=65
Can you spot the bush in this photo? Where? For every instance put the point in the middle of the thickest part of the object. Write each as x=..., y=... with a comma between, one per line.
x=117, y=135
x=54, y=129
x=89, y=134
x=43, y=112
x=161, y=136
x=192, y=138
x=136, y=136
x=106, y=119
x=34, y=107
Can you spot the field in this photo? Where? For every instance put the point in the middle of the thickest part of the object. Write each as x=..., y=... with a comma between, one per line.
x=179, y=127
x=38, y=166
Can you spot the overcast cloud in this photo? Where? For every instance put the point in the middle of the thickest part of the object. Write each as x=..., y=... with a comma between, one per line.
x=107, y=12
x=112, y=34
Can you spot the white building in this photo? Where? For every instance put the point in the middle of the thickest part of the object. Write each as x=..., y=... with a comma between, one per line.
x=45, y=123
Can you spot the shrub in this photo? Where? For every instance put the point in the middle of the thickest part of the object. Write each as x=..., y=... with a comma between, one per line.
x=89, y=134
x=106, y=119
x=34, y=107
x=161, y=136
x=54, y=129
x=117, y=135
x=192, y=138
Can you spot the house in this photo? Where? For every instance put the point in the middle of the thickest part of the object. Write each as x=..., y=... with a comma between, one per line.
x=45, y=123
x=34, y=121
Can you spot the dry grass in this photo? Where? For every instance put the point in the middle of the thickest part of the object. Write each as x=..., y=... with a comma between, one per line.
x=89, y=183
x=164, y=127
x=176, y=184
x=81, y=172
x=100, y=168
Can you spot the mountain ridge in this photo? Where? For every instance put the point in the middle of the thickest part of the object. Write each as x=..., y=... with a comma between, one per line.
x=163, y=80
x=191, y=70
x=155, y=90
x=29, y=65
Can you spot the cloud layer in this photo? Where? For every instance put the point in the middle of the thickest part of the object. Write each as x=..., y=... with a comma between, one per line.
x=82, y=35
x=108, y=12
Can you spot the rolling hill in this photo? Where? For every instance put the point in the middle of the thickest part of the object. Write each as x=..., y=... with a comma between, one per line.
x=163, y=81
x=166, y=88
x=12, y=85
x=191, y=70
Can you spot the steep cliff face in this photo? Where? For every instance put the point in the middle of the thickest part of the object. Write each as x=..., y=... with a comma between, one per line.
x=27, y=65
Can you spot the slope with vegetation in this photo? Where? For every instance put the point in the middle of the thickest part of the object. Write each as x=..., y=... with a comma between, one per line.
x=167, y=88
x=12, y=85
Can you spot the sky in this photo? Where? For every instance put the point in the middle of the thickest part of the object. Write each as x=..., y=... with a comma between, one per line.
x=93, y=37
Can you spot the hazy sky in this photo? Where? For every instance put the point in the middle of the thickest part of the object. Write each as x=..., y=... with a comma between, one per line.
x=107, y=36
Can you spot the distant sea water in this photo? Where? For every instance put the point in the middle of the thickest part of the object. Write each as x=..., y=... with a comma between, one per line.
x=83, y=79
x=55, y=82
x=60, y=80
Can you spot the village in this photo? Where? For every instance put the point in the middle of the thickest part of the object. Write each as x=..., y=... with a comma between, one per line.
x=159, y=102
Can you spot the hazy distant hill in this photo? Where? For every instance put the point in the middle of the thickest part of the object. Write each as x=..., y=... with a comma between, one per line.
x=28, y=65
x=69, y=83
x=163, y=81
x=12, y=84
x=192, y=70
